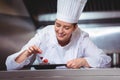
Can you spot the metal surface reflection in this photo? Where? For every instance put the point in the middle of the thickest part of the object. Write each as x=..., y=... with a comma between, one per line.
x=107, y=38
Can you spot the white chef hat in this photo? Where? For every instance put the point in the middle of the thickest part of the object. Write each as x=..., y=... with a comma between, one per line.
x=70, y=10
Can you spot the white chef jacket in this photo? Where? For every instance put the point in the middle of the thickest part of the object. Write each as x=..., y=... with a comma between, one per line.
x=80, y=46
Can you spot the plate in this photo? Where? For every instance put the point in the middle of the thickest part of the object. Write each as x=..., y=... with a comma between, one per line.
x=45, y=66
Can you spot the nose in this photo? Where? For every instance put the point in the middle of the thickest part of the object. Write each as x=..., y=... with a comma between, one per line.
x=60, y=30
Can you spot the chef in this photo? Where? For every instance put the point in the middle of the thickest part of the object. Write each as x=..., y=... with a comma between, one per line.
x=61, y=43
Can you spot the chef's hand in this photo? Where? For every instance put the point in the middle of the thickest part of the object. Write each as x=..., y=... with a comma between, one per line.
x=33, y=50
x=25, y=54
x=77, y=63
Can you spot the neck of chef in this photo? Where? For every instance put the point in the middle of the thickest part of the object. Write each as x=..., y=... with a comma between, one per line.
x=64, y=43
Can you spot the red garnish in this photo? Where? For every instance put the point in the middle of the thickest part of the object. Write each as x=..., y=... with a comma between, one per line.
x=45, y=61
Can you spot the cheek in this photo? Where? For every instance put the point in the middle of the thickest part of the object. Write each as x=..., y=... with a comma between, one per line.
x=68, y=33
x=56, y=30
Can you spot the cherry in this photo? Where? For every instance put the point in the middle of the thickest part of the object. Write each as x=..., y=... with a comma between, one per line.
x=45, y=60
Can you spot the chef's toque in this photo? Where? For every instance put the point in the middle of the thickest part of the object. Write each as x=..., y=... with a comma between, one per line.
x=70, y=10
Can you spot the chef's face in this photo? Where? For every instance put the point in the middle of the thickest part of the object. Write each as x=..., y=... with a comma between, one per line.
x=64, y=30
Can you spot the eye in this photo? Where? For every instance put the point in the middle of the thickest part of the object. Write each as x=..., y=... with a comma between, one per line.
x=67, y=27
x=58, y=25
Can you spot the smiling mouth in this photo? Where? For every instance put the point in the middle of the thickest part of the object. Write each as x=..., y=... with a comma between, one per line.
x=61, y=35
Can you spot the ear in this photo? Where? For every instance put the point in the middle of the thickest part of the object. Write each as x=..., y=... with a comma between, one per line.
x=75, y=27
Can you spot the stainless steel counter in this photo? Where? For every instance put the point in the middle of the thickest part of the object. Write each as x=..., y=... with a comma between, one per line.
x=62, y=74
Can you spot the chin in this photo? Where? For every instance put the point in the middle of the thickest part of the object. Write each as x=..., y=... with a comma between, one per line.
x=60, y=39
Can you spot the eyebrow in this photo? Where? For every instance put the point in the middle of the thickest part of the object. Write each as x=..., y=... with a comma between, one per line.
x=64, y=25
x=57, y=23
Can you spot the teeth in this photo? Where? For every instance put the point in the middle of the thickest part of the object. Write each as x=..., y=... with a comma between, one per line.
x=60, y=35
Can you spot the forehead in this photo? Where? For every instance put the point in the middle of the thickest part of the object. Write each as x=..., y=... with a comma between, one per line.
x=63, y=23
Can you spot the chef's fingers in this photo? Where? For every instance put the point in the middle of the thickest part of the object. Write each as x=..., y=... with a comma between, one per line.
x=34, y=49
x=30, y=50
x=37, y=49
x=72, y=64
x=69, y=64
